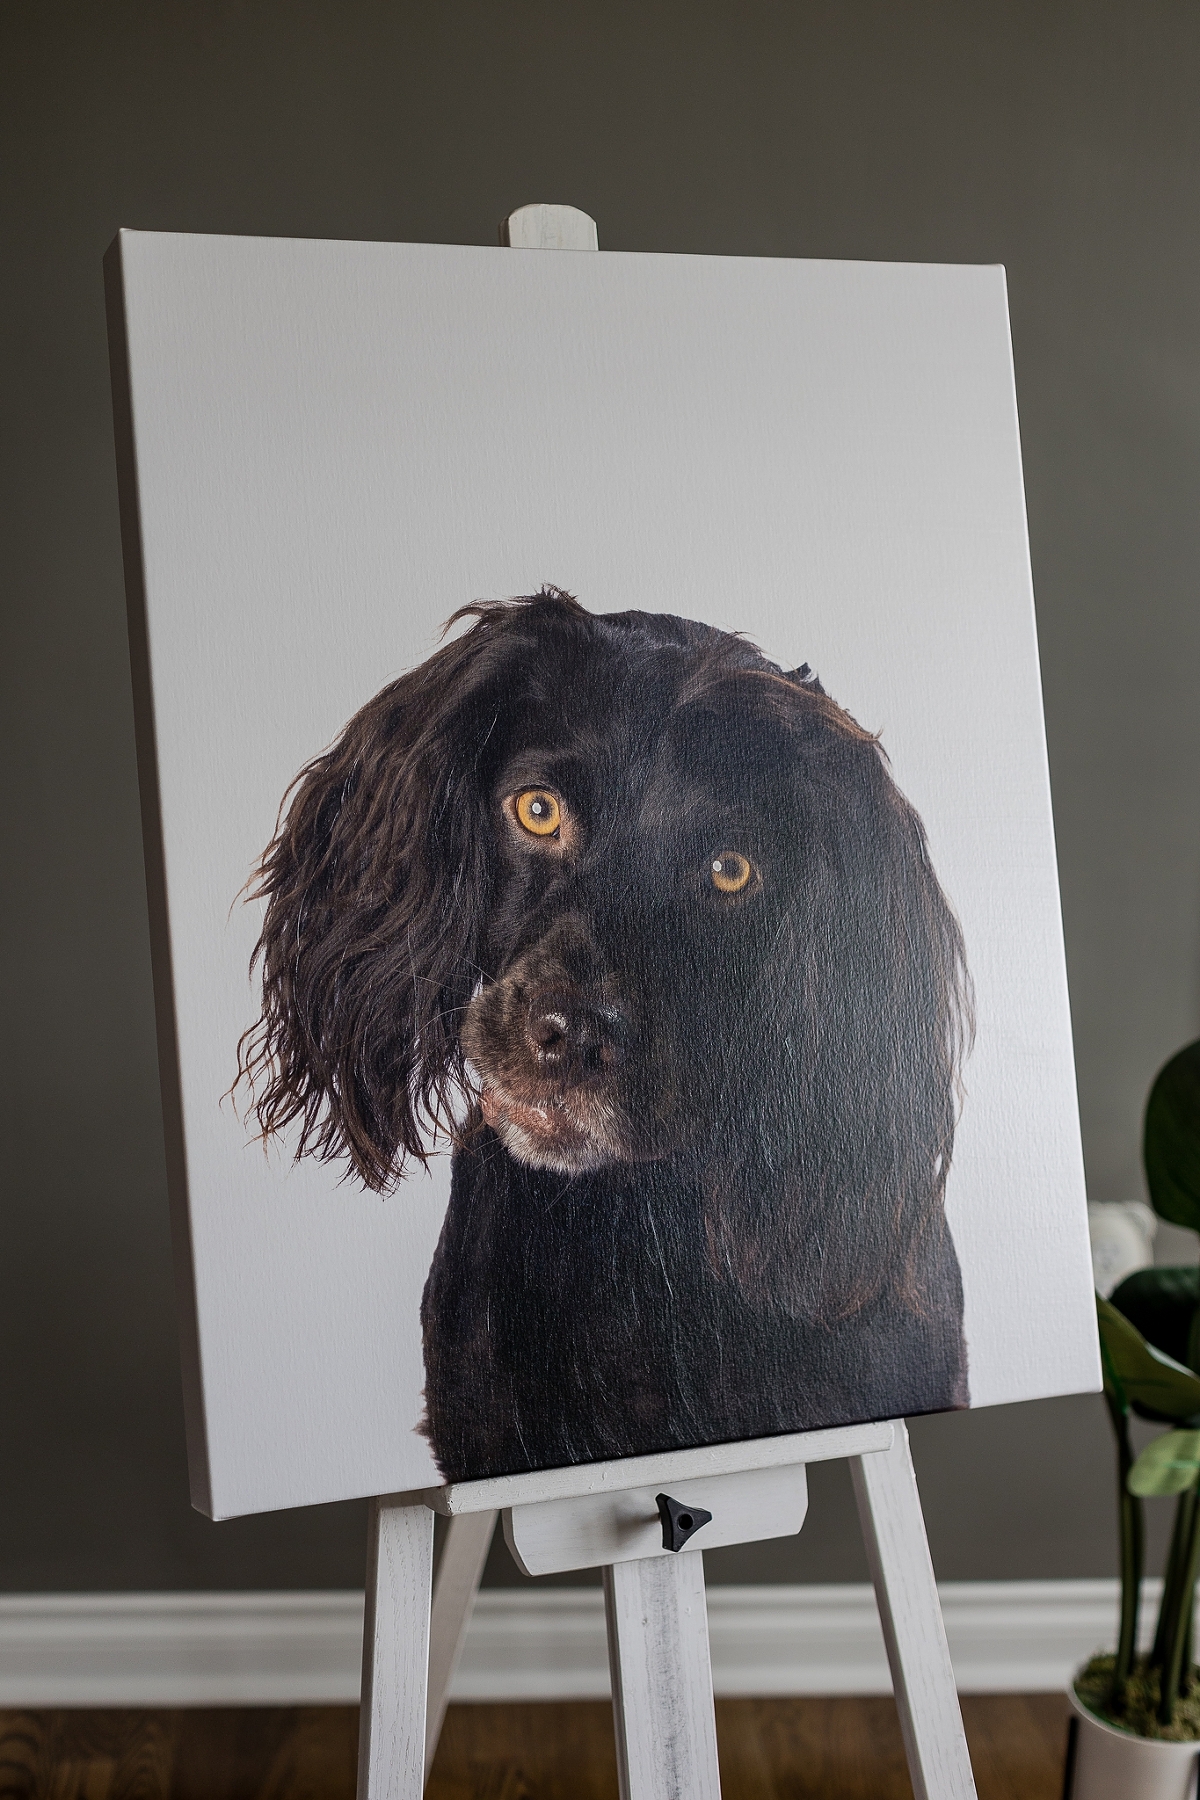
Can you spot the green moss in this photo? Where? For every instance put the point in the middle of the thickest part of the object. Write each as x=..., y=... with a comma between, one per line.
x=1137, y=1710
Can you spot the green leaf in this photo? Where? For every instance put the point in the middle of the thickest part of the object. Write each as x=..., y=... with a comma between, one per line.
x=1163, y=1304
x=1167, y=1466
x=1137, y=1374
x=1171, y=1140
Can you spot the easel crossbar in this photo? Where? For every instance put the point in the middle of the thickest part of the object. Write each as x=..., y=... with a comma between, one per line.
x=662, y=1468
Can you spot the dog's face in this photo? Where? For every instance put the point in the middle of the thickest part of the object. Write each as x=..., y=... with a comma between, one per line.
x=642, y=873
x=635, y=893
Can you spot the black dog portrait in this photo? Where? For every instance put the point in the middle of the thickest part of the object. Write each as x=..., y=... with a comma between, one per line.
x=643, y=924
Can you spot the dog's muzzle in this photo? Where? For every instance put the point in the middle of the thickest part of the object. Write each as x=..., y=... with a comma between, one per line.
x=550, y=1064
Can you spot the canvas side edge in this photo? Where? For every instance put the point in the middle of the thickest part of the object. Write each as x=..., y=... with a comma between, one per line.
x=1097, y=1379
x=155, y=869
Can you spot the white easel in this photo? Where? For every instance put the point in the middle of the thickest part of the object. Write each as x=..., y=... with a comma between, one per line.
x=606, y=1514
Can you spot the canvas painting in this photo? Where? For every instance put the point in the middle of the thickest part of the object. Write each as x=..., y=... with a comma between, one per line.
x=601, y=867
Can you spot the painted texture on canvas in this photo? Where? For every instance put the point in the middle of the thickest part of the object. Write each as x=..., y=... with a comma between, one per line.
x=739, y=467
x=643, y=923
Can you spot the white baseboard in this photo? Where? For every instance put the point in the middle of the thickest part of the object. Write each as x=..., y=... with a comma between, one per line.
x=525, y=1643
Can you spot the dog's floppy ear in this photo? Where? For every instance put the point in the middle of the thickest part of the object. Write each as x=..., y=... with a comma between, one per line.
x=376, y=886
x=866, y=1006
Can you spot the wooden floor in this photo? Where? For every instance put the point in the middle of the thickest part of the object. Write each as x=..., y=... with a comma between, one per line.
x=770, y=1750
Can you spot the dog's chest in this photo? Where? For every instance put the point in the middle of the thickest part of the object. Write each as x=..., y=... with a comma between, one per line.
x=592, y=1282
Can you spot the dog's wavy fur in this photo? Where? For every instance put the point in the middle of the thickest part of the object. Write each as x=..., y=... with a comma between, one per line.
x=754, y=1240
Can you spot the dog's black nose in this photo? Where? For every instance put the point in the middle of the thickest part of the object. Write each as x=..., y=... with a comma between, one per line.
x=574, y=1036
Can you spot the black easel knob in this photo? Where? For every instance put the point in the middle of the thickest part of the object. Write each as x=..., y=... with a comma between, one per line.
x=679, y=1521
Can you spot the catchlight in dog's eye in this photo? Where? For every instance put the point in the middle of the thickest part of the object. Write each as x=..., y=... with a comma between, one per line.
x=539, y=812
x=731, y=872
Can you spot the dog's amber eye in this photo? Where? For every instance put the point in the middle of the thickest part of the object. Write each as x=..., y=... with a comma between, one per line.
x=539, y=812
x=730, y=872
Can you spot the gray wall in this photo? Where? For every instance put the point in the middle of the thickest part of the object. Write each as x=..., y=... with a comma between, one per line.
x=1062, y=140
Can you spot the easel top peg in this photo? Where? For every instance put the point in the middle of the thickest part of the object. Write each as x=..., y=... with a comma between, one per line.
x=542, y=227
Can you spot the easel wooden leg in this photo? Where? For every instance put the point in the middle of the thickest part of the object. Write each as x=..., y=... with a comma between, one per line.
x=463, y=1556
x=893, y=1526
x=662, y=1678
x=391, y=1742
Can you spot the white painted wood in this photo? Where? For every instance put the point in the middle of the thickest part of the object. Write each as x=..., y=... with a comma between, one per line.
x=540, y=227
x=662, y=1679
x=889, y=1508
x=532, y=1642
x=658, y=1471
x=539, y=1643
x=555, y=1535
x=391, y=1740
x=459, y=1570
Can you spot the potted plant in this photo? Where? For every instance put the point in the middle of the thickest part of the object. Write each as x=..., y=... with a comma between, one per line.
x=1136, y=1726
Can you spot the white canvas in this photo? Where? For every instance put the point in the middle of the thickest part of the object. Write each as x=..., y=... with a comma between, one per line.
x=339, y=444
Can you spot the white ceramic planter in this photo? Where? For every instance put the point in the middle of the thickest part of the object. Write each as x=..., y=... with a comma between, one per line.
x=1115, y=1765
